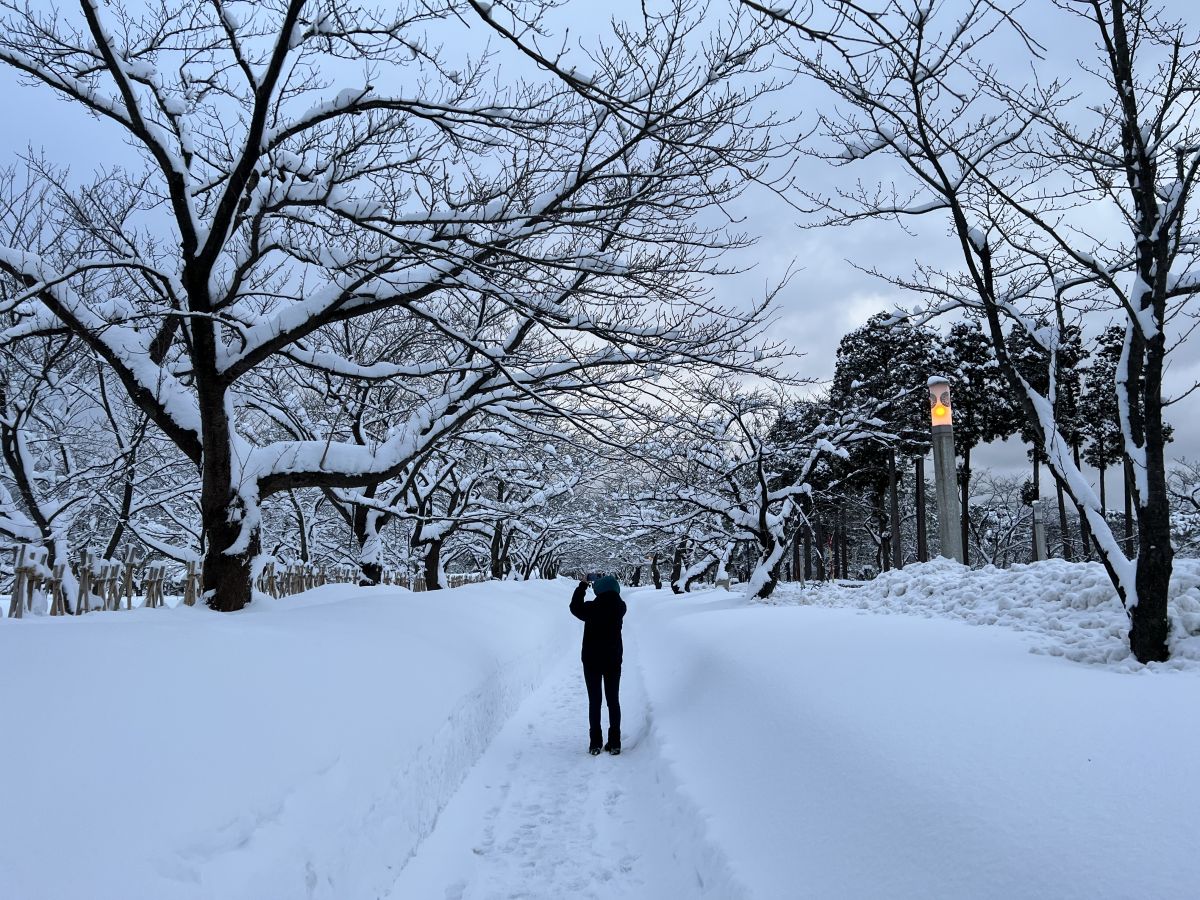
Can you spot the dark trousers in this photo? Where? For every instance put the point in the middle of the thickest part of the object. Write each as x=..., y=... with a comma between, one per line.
x=608, y=674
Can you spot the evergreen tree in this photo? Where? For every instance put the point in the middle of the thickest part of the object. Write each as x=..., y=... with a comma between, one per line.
x=1033, y=364
x=889, y=363
x=983, y=411
x=1100, y=422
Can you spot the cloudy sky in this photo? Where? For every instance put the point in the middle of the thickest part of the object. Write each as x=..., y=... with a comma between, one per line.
x=826, y=297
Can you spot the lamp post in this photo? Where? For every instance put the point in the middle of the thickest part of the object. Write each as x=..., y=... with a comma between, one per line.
x=1039, y=532
x=949, y=514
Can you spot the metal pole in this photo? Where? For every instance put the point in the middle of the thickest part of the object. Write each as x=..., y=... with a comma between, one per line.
x=1039, y=533
x=945, y=475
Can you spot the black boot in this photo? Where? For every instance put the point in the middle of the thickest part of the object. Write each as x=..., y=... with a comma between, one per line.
x=614, y=742
x=594, y=743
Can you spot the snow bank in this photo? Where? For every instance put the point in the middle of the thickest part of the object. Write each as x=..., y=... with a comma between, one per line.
x=301, y=748
x=837, y=753
x=1071, y=608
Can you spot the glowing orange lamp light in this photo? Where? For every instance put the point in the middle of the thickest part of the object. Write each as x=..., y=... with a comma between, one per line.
x=940, y=410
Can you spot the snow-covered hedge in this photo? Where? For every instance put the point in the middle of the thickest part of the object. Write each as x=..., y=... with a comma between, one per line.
x=1072, y=607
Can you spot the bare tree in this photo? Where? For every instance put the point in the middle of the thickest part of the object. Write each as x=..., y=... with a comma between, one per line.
x=271, y=206
x=1019, y=174
x=736, y=465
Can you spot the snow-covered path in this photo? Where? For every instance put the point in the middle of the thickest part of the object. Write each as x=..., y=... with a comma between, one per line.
x=539, y=818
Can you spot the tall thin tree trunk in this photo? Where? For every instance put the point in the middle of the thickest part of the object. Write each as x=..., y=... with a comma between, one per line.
x=881, y=523
x=965, y=520
x=845, y=535
x=822, y=567
x=808, y=571
x=301, y=526
x=1128, y=507
x=1085, y=532
x=1067, y=551
x=919, y=491
x=894, y=524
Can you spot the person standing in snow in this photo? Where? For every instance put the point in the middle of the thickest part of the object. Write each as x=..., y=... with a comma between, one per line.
x=602, y=652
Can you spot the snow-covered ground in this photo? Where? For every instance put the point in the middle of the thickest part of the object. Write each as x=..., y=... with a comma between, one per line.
x=373, y=743
x=840, y=753
x=301, y=748
x=1070, y=608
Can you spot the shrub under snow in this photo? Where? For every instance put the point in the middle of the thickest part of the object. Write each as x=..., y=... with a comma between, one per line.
x=1072, y=607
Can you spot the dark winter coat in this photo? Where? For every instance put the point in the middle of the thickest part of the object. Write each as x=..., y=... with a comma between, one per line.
x=601, y=625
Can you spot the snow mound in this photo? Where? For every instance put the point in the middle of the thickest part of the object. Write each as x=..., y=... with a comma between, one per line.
x=303, y=747
x=1070, y=607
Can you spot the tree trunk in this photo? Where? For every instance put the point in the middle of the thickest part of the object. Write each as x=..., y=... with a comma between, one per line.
x=1149, y=625
x=894, y=524
x=1064, y=527
x=497, y=559
x=964, y=523
x=822, y=570
x=796, y=556
x=702, y=574
x=225, y=576
x=919, y=490
x=433, y=566
x=1149, y=622
x=677, y=566
x=114, y=541
x=768, y=586
x=365, y=524
x=881, y=521
x=808, y=571
x=844, y=541
x=301, y=526
x=1103, y=493
x=1085, y=532
x=1128, y=507
x=655, y=575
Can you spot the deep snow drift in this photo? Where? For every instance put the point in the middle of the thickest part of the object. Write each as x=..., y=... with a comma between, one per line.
x=300, y=748
x=1071, y=607
x=840, y=753
x=353, y=743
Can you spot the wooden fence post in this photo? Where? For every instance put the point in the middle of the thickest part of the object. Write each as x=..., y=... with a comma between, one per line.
x=155, y=574
x=58, y=595
x=189, y=584
x=83, y=603
x=127, y=576
x=112, y=585
x=34, y=566
x=16, y=603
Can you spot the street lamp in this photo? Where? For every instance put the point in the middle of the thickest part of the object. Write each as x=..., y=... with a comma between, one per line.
x=941, y=414
x=1039, y=532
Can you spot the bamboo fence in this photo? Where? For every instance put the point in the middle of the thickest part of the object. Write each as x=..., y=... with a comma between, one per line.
x=115, y=584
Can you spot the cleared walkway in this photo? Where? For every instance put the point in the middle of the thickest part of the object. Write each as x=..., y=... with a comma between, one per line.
x=539, y=818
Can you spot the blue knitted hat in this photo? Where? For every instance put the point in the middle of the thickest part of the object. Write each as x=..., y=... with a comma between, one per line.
x=606, y=583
